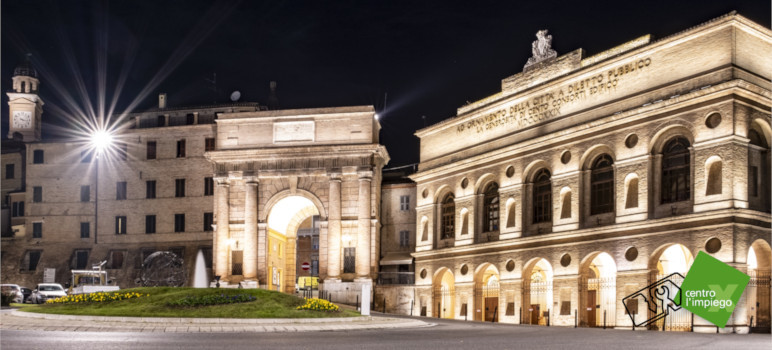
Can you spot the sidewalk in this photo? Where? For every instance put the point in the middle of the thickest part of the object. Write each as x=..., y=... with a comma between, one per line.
x=18, y=320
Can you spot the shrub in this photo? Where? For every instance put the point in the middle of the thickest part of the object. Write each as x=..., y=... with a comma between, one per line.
x=317, y=304
x=6, y=298
x=206, y=300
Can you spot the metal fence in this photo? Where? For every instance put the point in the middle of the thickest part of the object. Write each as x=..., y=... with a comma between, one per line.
x=536, y=303
x=443, y=300
x=599, y=302
x=675, y=321
x=396, y=278
x=758, y=299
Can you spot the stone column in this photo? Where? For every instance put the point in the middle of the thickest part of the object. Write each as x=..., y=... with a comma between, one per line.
x=262, y=253
x=250, y=230
x=363, y=227
x=223, y=231
x=333, y=230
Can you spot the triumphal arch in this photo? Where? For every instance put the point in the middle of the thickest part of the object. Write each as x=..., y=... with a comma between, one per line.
x=275, y=171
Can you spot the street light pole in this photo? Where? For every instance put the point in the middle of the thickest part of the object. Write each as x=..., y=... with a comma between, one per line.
x=96, y=200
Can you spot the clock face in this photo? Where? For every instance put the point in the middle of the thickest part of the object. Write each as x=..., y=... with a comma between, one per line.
x=22, y=120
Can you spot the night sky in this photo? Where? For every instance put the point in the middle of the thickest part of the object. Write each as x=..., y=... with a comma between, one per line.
x=409, y=59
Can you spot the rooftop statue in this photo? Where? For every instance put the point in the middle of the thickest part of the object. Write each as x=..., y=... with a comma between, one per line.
x=541, y=48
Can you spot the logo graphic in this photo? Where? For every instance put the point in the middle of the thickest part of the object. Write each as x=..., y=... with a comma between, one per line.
x=711, y=289
x=661, y=298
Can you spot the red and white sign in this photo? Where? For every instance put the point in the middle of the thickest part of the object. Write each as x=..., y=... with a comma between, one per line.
x=305, y=266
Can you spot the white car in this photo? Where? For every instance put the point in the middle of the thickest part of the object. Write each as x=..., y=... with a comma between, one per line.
x=13, y=288
x=47, y=291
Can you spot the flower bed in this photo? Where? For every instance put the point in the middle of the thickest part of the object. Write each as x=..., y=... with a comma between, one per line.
x=206, y=300
x=317, y=304
x=95, y=297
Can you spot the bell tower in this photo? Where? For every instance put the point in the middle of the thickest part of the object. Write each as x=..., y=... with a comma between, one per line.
x=25, y=105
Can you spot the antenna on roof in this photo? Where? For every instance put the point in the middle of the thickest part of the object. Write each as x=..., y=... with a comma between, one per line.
x=213, y=81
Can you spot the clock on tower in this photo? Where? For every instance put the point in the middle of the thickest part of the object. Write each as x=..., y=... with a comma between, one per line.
x=24, y=103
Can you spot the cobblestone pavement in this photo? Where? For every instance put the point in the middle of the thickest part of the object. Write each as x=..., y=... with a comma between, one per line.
x=18, y=320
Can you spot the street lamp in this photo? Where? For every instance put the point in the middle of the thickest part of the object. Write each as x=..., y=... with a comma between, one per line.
x=100, y=141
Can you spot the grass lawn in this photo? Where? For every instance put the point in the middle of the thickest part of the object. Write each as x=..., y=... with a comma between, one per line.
x=269, y=304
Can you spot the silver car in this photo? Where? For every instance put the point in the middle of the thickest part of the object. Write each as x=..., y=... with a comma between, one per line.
x=15, y=289
x=46, y=291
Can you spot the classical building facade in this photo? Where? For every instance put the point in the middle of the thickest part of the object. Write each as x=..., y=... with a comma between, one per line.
x=234, y=183
x=588, y=178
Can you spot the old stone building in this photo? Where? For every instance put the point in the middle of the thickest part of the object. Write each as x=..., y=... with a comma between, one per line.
x=234, y=183
x=587, y=178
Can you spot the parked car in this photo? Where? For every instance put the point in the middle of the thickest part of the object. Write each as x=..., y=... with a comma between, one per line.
x=27, y=293
x=15, y=289
x=47, y=291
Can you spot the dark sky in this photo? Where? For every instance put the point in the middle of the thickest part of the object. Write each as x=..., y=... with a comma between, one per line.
x=429, y=57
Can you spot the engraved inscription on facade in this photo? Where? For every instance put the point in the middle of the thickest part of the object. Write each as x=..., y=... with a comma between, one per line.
x=528, y=111
x=293, y=131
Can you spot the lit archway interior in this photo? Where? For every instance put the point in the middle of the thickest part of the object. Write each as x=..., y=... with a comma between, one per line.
x=676, y=258
x=444, y=294
x=537, y=294
x=599, y=299
x=758, y=292
x=284, y=219
x=487, y=294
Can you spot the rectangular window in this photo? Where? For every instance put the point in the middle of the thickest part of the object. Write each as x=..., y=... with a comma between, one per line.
x=85, y=156
x=9, y=171
x=753, y=181
x=37, y=194
x=37, y=230
x=120, y=225
x=149, y=224
x=208, y=221
x=37, y=156
x=161, y=120
x=404, y=203
x=151, y=149
x=85, y=229
x=80, y=259
x=150, y=189
x=190, y=119
x=120, y=190
x=181, y=149
x=208, y=186
x=207, y=256
x=85, y=193
x=315, y=242
x=349, y=260
x=179, y=222
x=179, y=188
x=123, y=151
x=404, y=238
x=209, y=144
x=116, y=259
x=17, y=209
x=31, y=259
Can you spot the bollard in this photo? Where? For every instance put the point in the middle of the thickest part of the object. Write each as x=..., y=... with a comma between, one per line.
x=521, y=315
x=549, y=316
x=604, y=319
x=411, y=307
x=357, y=304
x=692, y=330
x=384, y=305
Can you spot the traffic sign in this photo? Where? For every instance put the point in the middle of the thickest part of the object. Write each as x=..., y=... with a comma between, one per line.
x=305, y=266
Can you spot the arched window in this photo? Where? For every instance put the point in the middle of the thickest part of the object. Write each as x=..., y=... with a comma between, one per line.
x=542, y=197
x=676, y=179
x=448, y=217
x=22, y=87
x=757, y=139
x=491, y=208
x=602, y=185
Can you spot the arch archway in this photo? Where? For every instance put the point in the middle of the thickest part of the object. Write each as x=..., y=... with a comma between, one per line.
x=486, y=293
x=597, y=290
x=665, y=261
x=758, y=293
x=444, y=294
x=537, y=292
x=285, y=217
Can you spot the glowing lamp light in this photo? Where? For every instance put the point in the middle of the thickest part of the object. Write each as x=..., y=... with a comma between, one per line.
x=376, y=116
x=101, y=140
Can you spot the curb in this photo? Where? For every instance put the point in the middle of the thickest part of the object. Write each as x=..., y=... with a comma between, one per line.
x=182, y=320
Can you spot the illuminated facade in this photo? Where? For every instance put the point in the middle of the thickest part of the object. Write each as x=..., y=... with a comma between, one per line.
x=588, y=178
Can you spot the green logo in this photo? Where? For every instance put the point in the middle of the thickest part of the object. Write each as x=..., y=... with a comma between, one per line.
x=711, y=289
